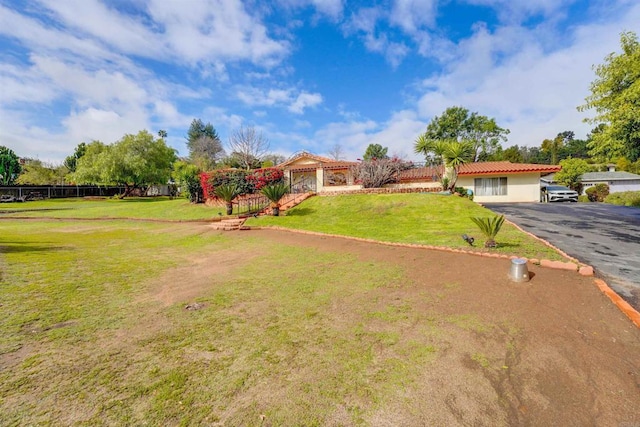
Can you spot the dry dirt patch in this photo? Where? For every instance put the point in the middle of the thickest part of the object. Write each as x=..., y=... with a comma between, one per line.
x=553, y=350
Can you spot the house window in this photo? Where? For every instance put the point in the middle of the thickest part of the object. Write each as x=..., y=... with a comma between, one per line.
x=490, y=186
x=335, y=178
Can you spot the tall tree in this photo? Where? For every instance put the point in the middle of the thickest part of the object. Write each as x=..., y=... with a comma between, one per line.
x=571, y=173
x=615, y=97
x=248, y=147
x=203, y=142
x=134, y=162
x=71, y=162
x=9, y=166
x=187, y=176
x=36, y=172
x=87, y=168
x=375, y=152
x=271, y=160
x=513, y=154
x=458, y=124
x=554, y=147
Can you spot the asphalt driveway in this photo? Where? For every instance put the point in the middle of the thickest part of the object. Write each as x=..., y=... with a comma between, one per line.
x=604, y=236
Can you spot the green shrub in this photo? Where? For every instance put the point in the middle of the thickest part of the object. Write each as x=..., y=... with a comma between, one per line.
x=463, y=192
x=598, y=192
x=625, y=198
x=490, y=228
x=583, y=198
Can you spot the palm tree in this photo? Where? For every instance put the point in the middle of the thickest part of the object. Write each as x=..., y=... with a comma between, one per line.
x=274, y=193
x=227, y=192
x=455, y=154
x=490, y=228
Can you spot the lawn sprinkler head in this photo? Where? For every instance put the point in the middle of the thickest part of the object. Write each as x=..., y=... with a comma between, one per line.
x=468, y=239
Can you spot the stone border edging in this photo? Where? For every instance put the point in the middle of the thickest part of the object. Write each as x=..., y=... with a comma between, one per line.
x=574, y=265
x=624, y=306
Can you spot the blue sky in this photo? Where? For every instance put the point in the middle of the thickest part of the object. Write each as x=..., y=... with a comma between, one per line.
x=310, y=74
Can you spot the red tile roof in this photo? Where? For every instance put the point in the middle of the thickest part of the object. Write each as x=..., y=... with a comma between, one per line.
x=325, y=162
x=484, y=168
x=427, y=173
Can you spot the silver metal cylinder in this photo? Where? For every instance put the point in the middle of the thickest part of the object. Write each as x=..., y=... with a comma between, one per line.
x=519, y=271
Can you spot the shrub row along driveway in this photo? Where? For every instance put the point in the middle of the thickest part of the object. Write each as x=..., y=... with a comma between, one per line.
x=604, y=236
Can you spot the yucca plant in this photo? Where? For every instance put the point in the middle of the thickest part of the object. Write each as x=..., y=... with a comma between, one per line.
x=275, y=192
x=490, y=228
x=227, y=192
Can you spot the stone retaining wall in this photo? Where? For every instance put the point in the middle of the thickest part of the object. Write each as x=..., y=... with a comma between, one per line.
x=386, y=190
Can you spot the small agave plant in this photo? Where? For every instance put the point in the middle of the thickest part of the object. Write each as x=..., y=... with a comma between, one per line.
x=490, y=228
x=227, y=193
x=275, y=192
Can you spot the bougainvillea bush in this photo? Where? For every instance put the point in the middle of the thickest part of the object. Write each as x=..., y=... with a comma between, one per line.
x=248, y=182
x=266, y=176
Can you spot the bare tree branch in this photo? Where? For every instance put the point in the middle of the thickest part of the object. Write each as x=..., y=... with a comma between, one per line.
x=336, y=152
x=248, y=146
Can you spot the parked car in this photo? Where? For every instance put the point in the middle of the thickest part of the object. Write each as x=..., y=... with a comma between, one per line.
x=7, y=198
x=557, y=193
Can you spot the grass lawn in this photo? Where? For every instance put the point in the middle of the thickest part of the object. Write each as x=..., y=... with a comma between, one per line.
x=85, y=340
x=427, y=219
x=139, y=208
x=94, y=331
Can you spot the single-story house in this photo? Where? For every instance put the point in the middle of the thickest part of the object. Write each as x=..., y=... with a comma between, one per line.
x=489, y=181
x=617, y=181
x=309, y=172
x=503, y=181
x=492, y=181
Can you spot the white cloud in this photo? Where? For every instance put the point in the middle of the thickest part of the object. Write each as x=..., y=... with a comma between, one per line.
x=84, y=57
x=205, y=32
x=92, y=17
x=397, y=133
x=21, y=84
x=519, y=10
x=305, y=100
x=412, y=15
x=364, y=22
x=105, y=125
x=294, y=102
x=511, y=75
x=332, y=9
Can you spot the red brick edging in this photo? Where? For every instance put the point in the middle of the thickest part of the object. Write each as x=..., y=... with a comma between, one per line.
x=624, y=306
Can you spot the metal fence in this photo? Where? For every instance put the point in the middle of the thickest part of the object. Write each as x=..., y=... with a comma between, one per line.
x=252, y=203
x=60, y=191
x=247, y=204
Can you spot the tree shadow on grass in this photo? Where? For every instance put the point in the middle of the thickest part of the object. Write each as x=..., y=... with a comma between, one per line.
x=300, y=212
x=19, y=247
x=149, y=199
x=19, y=211
x=508, y=245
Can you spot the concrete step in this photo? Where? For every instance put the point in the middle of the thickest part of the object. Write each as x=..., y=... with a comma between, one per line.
x=229, y=224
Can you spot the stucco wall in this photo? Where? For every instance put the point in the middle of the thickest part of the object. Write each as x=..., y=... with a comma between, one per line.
x=523, y=187
x=435, y=185
x=615, y=186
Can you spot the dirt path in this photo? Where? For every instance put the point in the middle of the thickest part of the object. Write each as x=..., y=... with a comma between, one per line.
x=565, y=354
